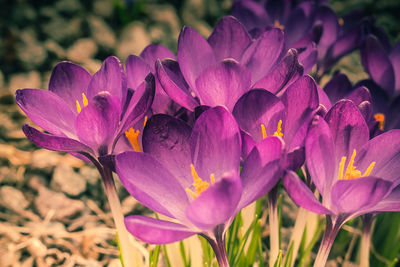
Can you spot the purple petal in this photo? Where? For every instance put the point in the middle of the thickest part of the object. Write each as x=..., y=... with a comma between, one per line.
x=111, y=77
x=338, y=87
x=308, y=57
x=223, y=84
x=384, y=151
x=261, y=170
x=323, y=99
x=346, y=42
x=136, y=71
x=194, y=55
x=299, y=22
x=262, y=55
x=151, y=183
x=173, y=83
x=320, y=155
x=359, y=95
x=56, y=143
x=96, y=124
x=395, y=59
x=216, y=205
x=229, y=39
x=167, y=140
x=301, y=194
x=348, y=196
x=156, y=231
x=389, y=203
x=69, y=81
x=300, y=100
x=247, y=144
x=258, y=107
x=251, y=14
x=215, y=144
x=377, y=63
x=285, y=73
x=327, y=17
x=348, y=127
x=48, y=111
x=153, y=52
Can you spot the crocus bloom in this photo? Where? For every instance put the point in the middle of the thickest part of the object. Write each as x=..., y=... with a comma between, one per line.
x=353, y=175
x=297, y=22
x=217, y=72
x=84, y=114
x=260, y=114
x=192, y=176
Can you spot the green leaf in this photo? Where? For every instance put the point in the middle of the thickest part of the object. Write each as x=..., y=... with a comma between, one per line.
x=278, y=261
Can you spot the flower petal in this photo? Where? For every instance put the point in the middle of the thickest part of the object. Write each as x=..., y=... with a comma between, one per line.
x=301, y=194
x=215, y=144
x=229, y=39
x=47, y=110
x=308, y=57
x=251, y=14
x=263, y=54
x=389, y=203
x=153, y=52
x=173, y=83
x=395, y=59
x=261, y=170
x=111, y=77
x=155, y=231
x=69, y=81
x=151, y=183
x=338, y=87
x=285, y=73
x=56, y=143
x=329, y=20
x=167, y=140
x=216, y=205
x=223, y=84
x=258, y=107
x=96, y=124
x=348, y=196
x=136, y=71
x=194, y=55
x=348, y=127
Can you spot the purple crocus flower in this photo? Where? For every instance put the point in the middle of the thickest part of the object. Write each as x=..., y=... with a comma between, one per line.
x=353, y=175
x=192, y=176
x=217, y=72
x=260, y=113
x=297, y=21
x=84, y=114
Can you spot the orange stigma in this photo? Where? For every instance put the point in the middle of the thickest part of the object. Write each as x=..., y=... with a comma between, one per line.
x=351, y=170
x=133, y=137
x=380, y=118
x=341, y=21
x=278, y=25
x=199, y=185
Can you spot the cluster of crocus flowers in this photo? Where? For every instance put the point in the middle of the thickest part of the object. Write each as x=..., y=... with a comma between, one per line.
x=198, y=136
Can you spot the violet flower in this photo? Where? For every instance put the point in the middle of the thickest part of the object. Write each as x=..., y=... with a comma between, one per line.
x=297, y=21
x=217, y=72
x=192, y=176
x=353, y=175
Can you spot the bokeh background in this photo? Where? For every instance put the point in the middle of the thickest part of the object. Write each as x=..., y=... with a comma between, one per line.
x=53, y=209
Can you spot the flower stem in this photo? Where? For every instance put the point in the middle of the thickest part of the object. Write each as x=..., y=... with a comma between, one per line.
x=365, y=240
x=273, y=225
x=218, y=245
x=128, y=250
x=298, y=232
x=331, y=231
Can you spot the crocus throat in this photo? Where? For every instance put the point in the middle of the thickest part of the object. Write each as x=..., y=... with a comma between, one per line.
x=84, y=101
x=278, y=25
x=199, y=184
x=351, y=170
x=278, y=131
x=133, y=136
x=380, y=118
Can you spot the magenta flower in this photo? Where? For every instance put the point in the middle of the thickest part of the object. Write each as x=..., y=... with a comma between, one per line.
x=217, y=72
x=193, y=177
x=353, y=175
x=84, y=114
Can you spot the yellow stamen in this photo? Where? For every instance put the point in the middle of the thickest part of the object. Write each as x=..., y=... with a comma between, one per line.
x=84, y=101
x=264, y=131
x=199, y=185
x=78, y=107
x=380, y=118
x=145, y=121
x=278, y=25
x=279, y=129
x=351, y=170
x=341, y=21
x=132, y=136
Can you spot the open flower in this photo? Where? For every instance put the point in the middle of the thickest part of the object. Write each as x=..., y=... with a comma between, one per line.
x=84, y=114
x=353, y=175
x=217, y=72
x=192, y=176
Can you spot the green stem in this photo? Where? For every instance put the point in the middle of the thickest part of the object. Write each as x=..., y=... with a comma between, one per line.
x=218, y=245
x=366, y=239
x=273, y=225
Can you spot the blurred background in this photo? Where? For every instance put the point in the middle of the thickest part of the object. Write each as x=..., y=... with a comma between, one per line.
x=53, y=210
